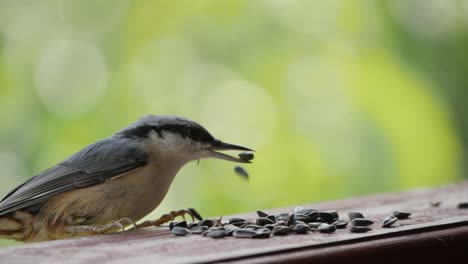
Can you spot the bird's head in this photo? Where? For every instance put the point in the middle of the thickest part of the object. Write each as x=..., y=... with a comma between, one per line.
x=177, y=137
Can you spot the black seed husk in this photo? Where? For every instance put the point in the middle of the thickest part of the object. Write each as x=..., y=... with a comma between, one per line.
x=198, y=229
x=361, y=222
x=262, y=233
x=401, y=214
x=340, y=224
x=315, y=225
x=243, y=233
x=236, y=220
x=281, y=231
x=195, y=214
x=463, y=205
x=263, y=221
x=206, y=222
x=326, y=228
x=246, y=155
x=353, y=215
x=389, y=221
x=301, y=228
x=180, y=231
x=241, y=171
x=261, y=214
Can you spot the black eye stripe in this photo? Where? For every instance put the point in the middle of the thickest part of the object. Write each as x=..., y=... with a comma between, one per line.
x=196, y=133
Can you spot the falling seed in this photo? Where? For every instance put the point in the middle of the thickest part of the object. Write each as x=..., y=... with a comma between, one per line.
x=436, y=203
x=241, y=172
x=246, y=155
x=389, y=221
x=401, y=214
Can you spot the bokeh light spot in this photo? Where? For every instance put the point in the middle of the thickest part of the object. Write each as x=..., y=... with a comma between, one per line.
x=241, y=111
x=70, y=77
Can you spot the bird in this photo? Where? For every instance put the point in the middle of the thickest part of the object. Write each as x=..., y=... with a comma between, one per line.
x=111, y=183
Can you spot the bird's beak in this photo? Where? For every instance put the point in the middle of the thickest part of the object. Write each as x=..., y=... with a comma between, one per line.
x=219, y=145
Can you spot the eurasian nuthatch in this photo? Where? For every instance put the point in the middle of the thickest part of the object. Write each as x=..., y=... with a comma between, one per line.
x=111, y=183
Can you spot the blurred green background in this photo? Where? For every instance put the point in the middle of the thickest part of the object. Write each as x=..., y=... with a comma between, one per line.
x=340, y=98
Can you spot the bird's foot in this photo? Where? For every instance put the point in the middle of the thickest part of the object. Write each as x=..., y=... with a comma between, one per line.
x=171, y=216
x=118, y=225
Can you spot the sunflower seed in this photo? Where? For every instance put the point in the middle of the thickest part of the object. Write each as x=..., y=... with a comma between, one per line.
x=263, y=221
x=314, y=225
x=247, y=155
x=272, y=218
x=230, y=229
x=241, y=171
x=353, y=215
x=198, y=229
x=179, y=231
x=243, y=233
x=216, y=233
x=327, y=217
x=262, y=233
x=301, y=228
x=326, y=228
x=281, y=223
x=253, y=226
x=181, y=224
x=301, y=217
x=206, y=222
x=361, y=222
x=195, y=214
x=298, y=210
x=261, y=214
x=401, y=214
x=290, y=220
x=236, y=220
x=463, y=205
x=340, y=224
x=281, y=230
x=389, y=221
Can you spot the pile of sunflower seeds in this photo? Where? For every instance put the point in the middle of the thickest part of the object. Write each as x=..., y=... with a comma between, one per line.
x=300, y=221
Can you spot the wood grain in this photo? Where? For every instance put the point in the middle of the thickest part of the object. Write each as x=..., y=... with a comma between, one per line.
x=432, y=234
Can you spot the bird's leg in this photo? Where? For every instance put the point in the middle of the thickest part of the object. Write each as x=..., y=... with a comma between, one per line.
x=101, y=229
x=171, y=216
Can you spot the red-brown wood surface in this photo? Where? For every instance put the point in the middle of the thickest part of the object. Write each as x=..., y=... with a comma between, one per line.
x=432, y=234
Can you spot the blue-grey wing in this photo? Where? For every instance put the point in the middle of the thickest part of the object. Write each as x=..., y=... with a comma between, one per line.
x=92, y=165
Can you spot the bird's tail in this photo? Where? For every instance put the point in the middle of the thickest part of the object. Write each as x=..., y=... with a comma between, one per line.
x=16, y=225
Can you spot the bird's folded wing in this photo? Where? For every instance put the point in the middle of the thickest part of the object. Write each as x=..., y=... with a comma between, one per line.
x=92, y=165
